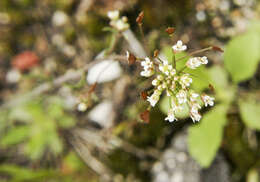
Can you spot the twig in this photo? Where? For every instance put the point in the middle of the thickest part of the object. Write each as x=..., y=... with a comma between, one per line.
x=97, y=166
x=69, y=76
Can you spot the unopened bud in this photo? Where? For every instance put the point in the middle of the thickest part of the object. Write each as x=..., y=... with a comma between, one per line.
x=211, y=88
x=215, y=48
x=155, y=53
x=130, y=58
x=170, y=30
x=145, y=116
x=140, y=18
x=144, y=95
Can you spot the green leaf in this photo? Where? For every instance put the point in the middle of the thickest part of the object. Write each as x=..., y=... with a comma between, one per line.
x=164, y=106
x=249, y=110
x=15, y=135
x=218, y=77
x=205, y=138
x=242, y=55
x=23, y=174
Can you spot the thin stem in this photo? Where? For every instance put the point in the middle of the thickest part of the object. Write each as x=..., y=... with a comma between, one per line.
x=181, y=70
x=160, y=60
x=174, y=60
x=199, y=77
x=113, y=43
x=143, y=38
x=195, y=52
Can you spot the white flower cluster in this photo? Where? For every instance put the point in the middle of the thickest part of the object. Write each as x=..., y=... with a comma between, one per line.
x=118, y=23
x=148, y=67
x=177, y=85
x=195, y=62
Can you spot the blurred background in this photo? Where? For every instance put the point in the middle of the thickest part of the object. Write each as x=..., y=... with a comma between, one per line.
x=57, y=124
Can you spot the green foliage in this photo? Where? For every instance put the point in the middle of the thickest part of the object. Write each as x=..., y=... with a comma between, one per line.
x=218, y=77
x=205, y=138
x=249, y=110
x=15, y=135
x=242, y=56
x=164, y=106
x=39, y=130
x=23, y=174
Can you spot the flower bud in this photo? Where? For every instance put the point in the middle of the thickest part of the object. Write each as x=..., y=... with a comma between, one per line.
x=215, y=48
x=155, y=53
x=130, y=58
x=140, y=18
x=170, y=30
x=145, y=116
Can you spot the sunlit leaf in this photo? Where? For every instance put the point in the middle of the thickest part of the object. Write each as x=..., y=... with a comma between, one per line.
x=249, y=110
x=15, y=135
x=205, y=137
x=242, y=56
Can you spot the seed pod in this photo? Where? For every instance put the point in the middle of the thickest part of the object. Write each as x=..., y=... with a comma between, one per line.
x=144, y=95
x=145, y=116
x=140, y=18
x=170, y=30
x=215, y=48
x=155, y=53
x=130, y=58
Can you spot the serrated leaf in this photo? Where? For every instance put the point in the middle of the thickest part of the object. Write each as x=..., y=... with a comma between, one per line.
x=242, y=56
x=249, y=110
x=205, y=138
x=15, y=135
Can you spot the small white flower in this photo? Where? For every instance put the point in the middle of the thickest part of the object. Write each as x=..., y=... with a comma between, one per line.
x=165, y=68
x=147, y=63
x=113, y=15
x=160, y=77
x=179, y=46
x=148, y=67
x=154, y=98
x=195, y=116
x=204, y=60
x=193, y=63
x=193, y=97
x=157, y=92
x=182, y=97
x=121, y=25
x=155, y=82
x=164, y=85
x=147, y=73
x=171, y=117
x=176, y=107
x=173, y=72
x=207, y=100
x=185, y=80
x=195, y=107
x=160, y=87
x=82, y=107
x=194, y=113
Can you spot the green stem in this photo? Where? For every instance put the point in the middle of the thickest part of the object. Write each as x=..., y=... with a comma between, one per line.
x=195, y=52
x=174, y=60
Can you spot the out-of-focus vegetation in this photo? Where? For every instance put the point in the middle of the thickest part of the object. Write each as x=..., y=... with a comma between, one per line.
x=43, y=137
